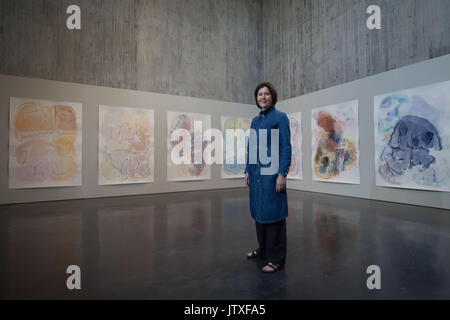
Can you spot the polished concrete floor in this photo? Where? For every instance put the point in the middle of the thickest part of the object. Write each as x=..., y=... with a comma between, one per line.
x=192, y=246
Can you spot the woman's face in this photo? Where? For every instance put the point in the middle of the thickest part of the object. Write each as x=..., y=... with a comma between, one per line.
x=264, y=98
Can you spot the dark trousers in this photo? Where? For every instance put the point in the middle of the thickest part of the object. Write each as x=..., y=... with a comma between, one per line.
x=272, y=241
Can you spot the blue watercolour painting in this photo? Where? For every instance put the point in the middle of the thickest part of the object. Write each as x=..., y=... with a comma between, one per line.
x=412, y=138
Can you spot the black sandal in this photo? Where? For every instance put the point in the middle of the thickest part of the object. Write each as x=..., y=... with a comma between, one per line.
x=253, y=254
x=274, y=267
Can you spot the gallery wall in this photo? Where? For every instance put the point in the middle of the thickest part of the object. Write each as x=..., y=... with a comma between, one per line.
x=310, y=45
x=364, y=90
x=195, y=48
x=91, y=97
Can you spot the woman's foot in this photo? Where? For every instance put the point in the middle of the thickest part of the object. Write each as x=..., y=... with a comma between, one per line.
x=253, y=254
x=271, y=267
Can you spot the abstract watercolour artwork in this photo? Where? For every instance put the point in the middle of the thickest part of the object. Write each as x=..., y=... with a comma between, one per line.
x=45, y=143
x=185, y=132
x=412, y=138
x=295, y=171
x=126, y=139
x=232, y=166
x=335, y=143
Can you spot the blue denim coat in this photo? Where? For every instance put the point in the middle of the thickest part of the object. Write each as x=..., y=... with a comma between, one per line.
x=266, y=205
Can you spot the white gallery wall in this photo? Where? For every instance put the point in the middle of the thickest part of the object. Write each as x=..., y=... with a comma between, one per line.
x=91, y=97
x=364, y=90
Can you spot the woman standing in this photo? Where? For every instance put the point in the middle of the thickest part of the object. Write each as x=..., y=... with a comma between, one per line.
x=268, y=197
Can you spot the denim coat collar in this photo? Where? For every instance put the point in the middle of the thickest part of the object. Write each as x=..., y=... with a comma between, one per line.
x=263, y=113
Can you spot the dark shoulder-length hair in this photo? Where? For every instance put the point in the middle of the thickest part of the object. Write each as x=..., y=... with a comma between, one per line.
x=272, y=90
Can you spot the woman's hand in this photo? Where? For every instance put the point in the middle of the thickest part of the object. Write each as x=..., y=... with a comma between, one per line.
x=246, y=179
x=281, y=183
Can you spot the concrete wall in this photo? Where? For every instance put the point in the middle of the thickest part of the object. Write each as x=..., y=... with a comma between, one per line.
x=217, y=49
x=310, y=45
x=364, y=90
x=91, y=97
x=198, y=48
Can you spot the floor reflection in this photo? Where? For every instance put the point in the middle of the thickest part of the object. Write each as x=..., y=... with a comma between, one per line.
x=413, y=257
x=192, y=245
x=336, y=236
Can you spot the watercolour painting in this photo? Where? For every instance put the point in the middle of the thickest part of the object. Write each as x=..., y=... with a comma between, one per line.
x=295, y=171
x=185, y=132
x=233, y=165
x=126, y=139
x=412, y=138
x=45, y=143
x=335, y=143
